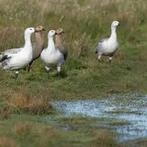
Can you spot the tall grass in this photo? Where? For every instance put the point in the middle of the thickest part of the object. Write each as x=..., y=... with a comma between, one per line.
x=86, y=20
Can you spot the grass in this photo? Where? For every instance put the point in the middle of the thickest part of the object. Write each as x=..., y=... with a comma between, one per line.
x=84, y=22
x=83, y=76
x=18, y=131
x=21, y=102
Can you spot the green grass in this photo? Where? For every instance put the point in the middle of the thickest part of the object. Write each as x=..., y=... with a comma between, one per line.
x=24, y=130
x=83, y=76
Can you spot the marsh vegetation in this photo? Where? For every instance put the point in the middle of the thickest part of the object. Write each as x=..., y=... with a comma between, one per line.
x=25, y=100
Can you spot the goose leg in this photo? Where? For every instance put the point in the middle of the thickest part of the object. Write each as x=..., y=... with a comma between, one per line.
x=16, y=74
x=59, y=69
x=110, y=59
x=47, y=68
x=30, y=66
x=99, y=57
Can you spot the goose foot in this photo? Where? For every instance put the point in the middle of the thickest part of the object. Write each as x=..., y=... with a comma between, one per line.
x=99, y=58
x=59, y=71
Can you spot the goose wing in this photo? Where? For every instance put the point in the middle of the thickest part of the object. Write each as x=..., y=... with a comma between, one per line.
x=63, y=51
x=100, y=44
x=12, y=51
x=5, y=57
x=9, y=52
x=4, y=61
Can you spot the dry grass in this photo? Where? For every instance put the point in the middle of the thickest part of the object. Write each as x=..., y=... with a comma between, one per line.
x=7, y=142
x=103, y=138
x=5, y=112
x=87, y=17
x=20, y=101
x=10, y=32
x=49, y=131
x=22, y=128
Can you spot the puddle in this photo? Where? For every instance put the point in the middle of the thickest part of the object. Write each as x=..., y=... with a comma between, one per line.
x=114, y=111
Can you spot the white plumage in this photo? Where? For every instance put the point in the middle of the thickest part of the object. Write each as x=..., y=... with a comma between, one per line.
x=18, y=58
x=51, y=55
x=108, y=46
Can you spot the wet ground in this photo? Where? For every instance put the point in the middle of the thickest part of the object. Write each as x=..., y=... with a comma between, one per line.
x=127, y=116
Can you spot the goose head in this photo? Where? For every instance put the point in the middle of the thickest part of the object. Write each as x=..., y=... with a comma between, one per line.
x=51, y=33
x=59, y=31
x=29, y=31
x=39, y=29
x=114, y=24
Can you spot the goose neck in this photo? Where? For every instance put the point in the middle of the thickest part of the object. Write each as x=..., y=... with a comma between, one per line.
x=39, y=37
x=27, y=40
x=51, y=44
x=58, y=40
x=113, y=33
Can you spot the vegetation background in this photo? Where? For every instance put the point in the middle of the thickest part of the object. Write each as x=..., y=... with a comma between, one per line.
x=84, y=22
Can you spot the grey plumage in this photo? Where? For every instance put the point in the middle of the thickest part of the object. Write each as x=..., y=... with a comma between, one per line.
x=59, y=43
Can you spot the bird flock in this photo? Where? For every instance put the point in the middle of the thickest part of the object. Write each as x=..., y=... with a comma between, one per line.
x=54, y=54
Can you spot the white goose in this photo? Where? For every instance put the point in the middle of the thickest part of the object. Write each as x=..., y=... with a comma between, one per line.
x=51, y=55
x=18, y=58
x=108, y=46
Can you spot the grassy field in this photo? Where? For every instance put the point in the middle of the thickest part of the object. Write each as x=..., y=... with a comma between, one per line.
x=84, y=22
x=87, y=22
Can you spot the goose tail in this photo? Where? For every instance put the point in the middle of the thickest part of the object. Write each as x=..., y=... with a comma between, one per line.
x=4, y=57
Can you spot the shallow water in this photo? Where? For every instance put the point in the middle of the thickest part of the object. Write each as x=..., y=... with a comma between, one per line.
x=132, y=111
